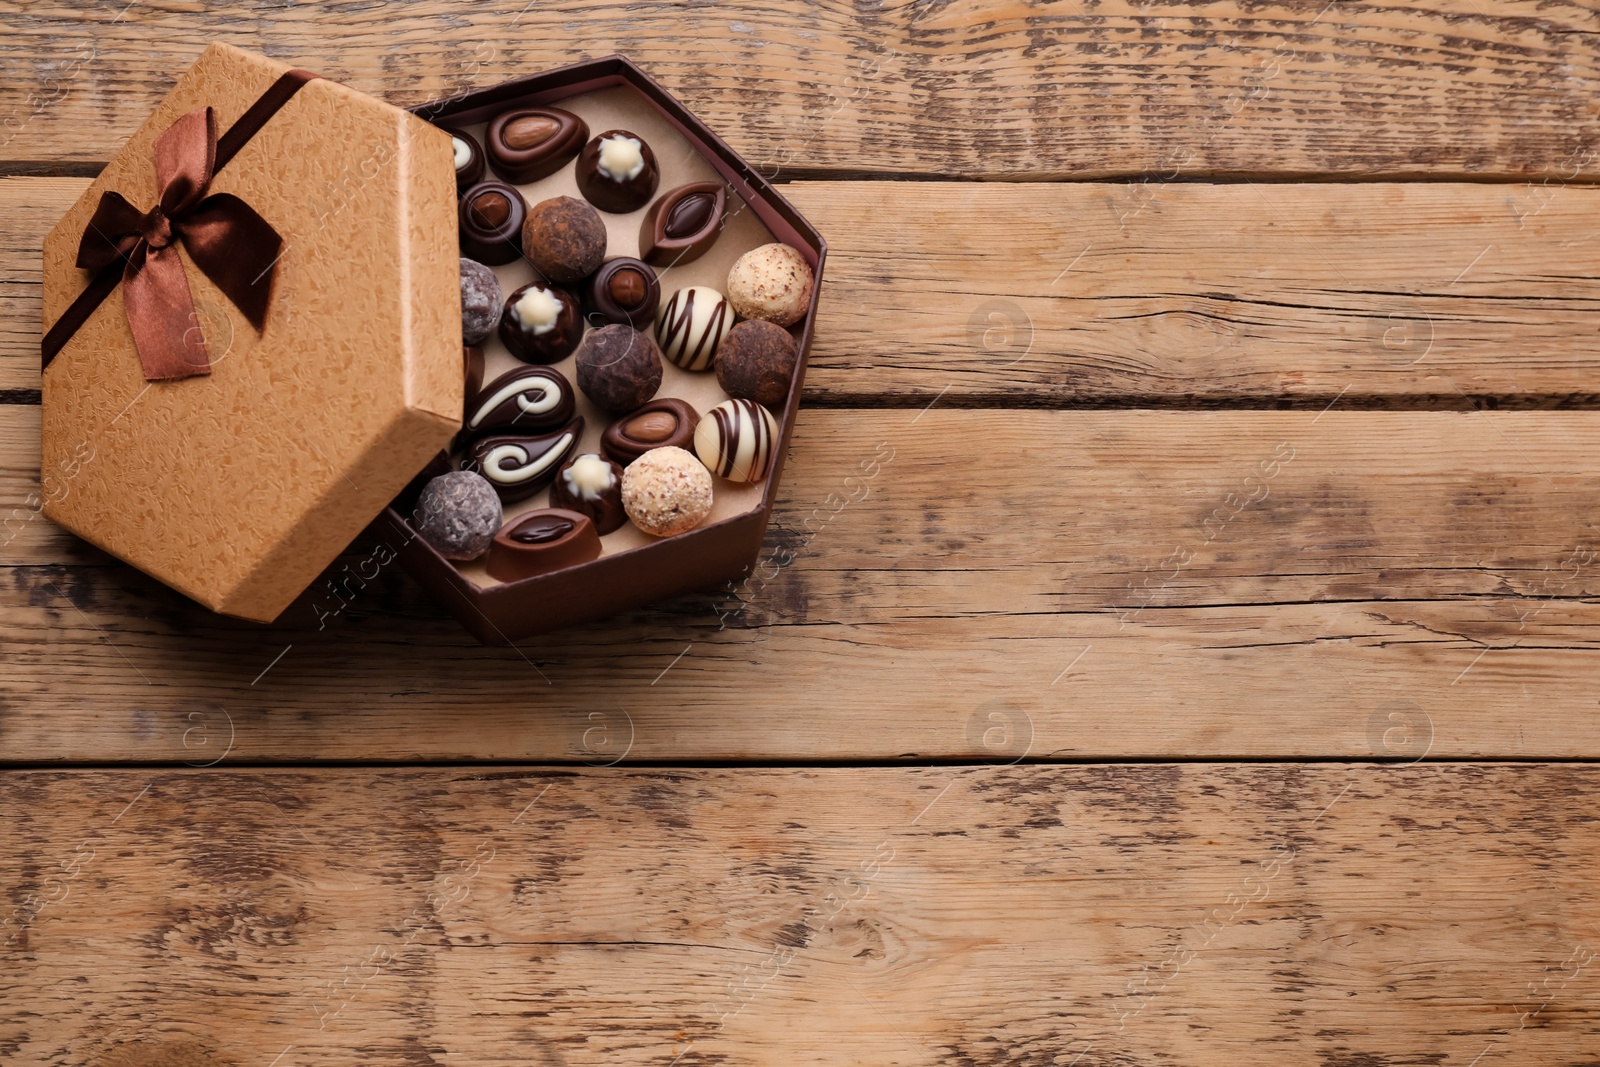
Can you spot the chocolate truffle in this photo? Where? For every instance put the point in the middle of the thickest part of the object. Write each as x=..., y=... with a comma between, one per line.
x=772, y=282
x=529, y=143
x=525, y=399
x=541, y=324
x=468, y=158
x=591, y=485
x=736, y=440
x=519, y=465
x=668, y=421
x=756, y=362
x=617, y=172
x=458, y=514
x=691, y=326
x=623, y=290
x=619, y=368
x=683, y=224
x=491, y=217
x=472, y=356
x=565, y=239
x=480, y=301
x=542, y=541
x=666, y=492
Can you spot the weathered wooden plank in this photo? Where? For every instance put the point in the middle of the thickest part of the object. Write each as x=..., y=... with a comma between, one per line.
x=1204, y=915
x=1152, y=584
x=1184, y=293
x=1039, y=90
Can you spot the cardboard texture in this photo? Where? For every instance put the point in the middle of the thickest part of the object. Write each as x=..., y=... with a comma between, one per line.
x=238, y=488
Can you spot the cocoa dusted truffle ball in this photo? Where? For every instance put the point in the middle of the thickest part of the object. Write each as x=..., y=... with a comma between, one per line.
x=565, y=239
x=458, y=513
x=480, y=301
x=666, y=491
x=756, y=362
x=619, y=368
x=772, y=282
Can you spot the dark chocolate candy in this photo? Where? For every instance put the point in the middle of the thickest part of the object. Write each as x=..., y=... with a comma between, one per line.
x=592, y=485
x=468, y=158
x=491, y=217
x=473, y=357
x=519, y=465
x=481, y=301
x=565, y=239
x=668, y=421
x=756, y=362
x=617, y=172
x=623, y=290
x=683, y=224
x=541, y=323
x=619, y=368
x=541, y=541
x=525, y=400
x=529, y=143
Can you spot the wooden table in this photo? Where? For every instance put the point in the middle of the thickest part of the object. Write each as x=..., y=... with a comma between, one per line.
x=1206, y=676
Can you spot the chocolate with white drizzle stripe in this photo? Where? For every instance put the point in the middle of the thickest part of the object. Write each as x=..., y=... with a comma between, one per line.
x=519, y=465
x=691, y=325
x=528, y=398
x=736, y=439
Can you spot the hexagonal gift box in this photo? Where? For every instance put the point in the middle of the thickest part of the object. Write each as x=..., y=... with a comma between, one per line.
x=237, y=487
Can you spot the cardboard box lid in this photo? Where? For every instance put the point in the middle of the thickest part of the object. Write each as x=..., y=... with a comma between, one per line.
x=239, y=487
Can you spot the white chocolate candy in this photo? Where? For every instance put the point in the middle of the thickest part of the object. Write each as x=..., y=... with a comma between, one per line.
x=621, y=158
x=691, y=325
x=537, y=309
x=463, y=152
x=736, y=440
x=589, y=477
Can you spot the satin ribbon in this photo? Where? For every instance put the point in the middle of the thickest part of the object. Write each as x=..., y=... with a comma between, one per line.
x=224, y=236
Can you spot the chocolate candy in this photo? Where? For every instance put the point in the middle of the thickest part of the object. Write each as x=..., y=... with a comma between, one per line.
x=668, y=421
x=736, y=440
x=541, y=323
x=617, y=172
x=519, y=465
x=691, y=326
x=666, y=492
x=480, y=301
x=529, y=143
x=591, y=485
x=458, y=513
x=623, y=290
x=565, y=239
x=491, y=216
x=542, y=541
x=472, y=356
x=619, y=368
x=683, y=224
x=756, y=362
x=528, y=398
x=468, y=158
x=772, y=282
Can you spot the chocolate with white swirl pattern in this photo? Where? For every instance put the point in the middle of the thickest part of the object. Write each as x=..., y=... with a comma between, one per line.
x=691, y=325
x=528, y=398
x=736, y=440
x=519, y=465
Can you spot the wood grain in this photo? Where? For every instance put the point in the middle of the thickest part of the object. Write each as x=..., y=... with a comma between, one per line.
x=1411, y=294
x=1157, y=914
x=1048, y=584
x=970, y=89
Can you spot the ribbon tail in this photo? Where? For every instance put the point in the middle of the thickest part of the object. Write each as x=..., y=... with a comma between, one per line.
x=237, y=249
x=160, y=308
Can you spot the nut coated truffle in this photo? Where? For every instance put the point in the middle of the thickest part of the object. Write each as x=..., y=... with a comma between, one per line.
x=756, y=362
x=619, y=368
x=666, y=491
x=772, y=282
x=458, y=513
x=565, y=239
x=480, y=301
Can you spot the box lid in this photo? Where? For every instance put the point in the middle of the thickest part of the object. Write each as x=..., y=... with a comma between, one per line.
x=239, y=487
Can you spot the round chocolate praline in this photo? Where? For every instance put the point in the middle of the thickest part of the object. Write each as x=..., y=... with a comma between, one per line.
x=736, y=440
x=541, y=323
x=481, y=301
x=683, y=224
x=667, y=492
x=756, y=362
x=591, y=485
x=623, y=290
x=691, y=326
x=565, y=239
x=529, y=143
x=668, y=421
x=617, y=172
x=458, y=514
x=619, y=368
x=468, y=154
x=491, y=217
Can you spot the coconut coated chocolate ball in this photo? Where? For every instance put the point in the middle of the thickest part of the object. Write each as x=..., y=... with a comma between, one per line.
x=458, y=513
x=480, y=301
x=772, y=282
x=619, y=368
x=565, y=239
x=756, y=362
x=666, y=491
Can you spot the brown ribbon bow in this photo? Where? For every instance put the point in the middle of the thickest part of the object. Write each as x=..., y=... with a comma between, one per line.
x=231, y=244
